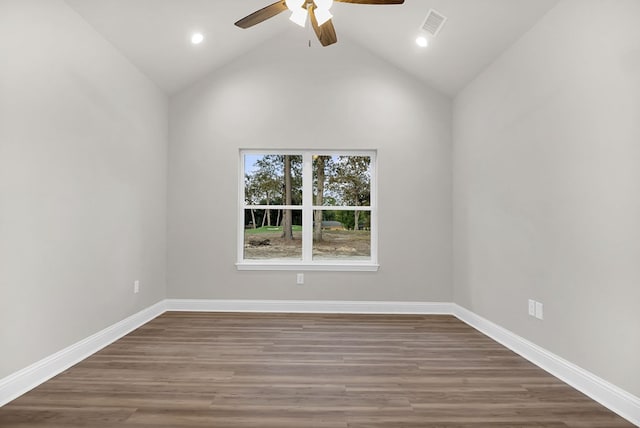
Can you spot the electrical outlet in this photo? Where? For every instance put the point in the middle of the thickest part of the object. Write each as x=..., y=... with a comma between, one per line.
x=300, y=279
x=532, y=307
x=539, y=311
x=136, y=286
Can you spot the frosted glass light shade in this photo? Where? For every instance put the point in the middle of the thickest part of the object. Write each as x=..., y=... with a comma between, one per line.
x=324, y=4
x=299, y=16
x=323, y=15
x=294, y=4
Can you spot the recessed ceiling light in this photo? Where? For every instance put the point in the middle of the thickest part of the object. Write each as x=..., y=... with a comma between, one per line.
x=197, y=38
x=422, y=41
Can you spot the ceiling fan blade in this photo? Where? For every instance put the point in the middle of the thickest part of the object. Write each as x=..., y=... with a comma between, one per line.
x=326, y=32
x=262, y=15
x=372, y=1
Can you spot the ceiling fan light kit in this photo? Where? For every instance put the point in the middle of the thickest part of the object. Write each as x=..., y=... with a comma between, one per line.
x=299, y=16
x=323, y=15
x=318, y=12
x=322, y=10
x=298, y=12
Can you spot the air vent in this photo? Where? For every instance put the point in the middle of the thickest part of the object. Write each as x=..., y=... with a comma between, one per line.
x=434, y=22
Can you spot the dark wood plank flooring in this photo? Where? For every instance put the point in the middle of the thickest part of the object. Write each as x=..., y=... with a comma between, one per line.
x=293, y=370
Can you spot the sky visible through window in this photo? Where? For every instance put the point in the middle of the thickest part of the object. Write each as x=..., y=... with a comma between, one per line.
x=250, y=162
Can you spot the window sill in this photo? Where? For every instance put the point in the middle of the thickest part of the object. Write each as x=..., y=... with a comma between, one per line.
x=330, y=267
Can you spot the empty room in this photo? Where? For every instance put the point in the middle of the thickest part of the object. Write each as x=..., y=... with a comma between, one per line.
x=316, y=213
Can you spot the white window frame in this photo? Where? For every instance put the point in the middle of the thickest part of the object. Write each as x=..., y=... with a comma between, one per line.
x=307, y=263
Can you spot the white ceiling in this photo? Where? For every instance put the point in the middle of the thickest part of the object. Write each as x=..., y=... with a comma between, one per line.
x=154, y=34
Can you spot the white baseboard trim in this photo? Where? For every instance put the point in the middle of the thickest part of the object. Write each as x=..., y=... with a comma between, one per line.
x=22, y=381
x=615, y=399
x=310, y=306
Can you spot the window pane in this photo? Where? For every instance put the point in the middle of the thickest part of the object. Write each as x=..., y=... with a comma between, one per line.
x=341, y=180
x=267, y=242
x=341, y=235
x=264, y=179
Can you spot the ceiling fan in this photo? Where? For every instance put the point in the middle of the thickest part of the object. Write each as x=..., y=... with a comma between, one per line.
x=317, y=10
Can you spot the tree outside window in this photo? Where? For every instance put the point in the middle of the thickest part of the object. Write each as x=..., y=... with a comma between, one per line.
x=307, y=208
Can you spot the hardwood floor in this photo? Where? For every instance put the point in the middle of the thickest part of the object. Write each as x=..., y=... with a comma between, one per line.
x=292, y=370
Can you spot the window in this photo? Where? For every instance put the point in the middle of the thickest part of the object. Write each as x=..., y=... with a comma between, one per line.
x=311, y=209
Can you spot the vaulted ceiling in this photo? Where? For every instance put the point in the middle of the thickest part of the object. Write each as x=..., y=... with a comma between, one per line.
x=154, y=34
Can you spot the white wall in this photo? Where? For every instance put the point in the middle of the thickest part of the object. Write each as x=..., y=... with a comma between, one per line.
x=546, y=188
x=286, y=95
x=83, y=139
x=545, y=162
